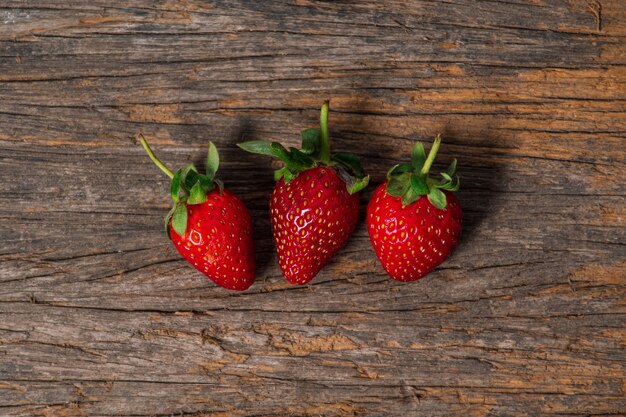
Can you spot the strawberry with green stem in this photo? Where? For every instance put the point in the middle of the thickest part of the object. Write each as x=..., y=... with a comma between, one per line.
x=315, y=204
x=415, y=221
x=209, y=225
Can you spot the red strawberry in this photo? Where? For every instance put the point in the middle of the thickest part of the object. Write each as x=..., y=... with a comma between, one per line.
x=413, y=221
x=209, y=225
x=315, y=204
x=312, y=217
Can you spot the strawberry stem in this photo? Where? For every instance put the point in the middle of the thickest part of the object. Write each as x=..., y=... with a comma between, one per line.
x=153, y=157
x=325, y=148
x=432, y=154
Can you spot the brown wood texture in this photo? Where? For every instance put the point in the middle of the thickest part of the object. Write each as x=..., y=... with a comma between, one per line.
x=99, y=316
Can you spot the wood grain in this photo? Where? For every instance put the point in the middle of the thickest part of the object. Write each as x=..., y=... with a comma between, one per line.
x=99, y=316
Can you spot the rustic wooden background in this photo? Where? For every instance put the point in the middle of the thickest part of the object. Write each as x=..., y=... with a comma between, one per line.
x=99, y=315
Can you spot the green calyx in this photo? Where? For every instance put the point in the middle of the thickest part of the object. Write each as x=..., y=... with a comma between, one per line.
x=314, y=151
x=411, y=181
x=188, y=186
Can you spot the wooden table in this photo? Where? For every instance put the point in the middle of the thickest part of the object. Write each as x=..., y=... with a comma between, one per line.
x=100, y=316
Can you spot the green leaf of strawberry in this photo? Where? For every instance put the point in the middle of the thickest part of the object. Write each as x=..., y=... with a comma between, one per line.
x=212, y=161
x=399, y=169
x=175, y=186
x=418, y=185
x=197, y=194
x=311, y=142
x=315, y=151
x=418, y=156
x=411, y=181
x=179, y=219
x=260, y=147
x=349, y=161
x=437, y=198
x=398, y=185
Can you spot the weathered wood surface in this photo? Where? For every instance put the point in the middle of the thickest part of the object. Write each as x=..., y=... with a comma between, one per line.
x=99, y=315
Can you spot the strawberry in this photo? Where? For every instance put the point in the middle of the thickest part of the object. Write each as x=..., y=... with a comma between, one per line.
x=413, y=221
x=315, y=204
x=209, y=225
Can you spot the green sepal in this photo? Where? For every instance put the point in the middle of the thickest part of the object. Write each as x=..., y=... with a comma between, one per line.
x=168, y=217
x=354, y=185
x=418, y=156
x=220, y=185
x=205, y=182
x=411, y=181
x=200, y=189
x=298, y=161
x=288, y=176
x=450, y=181
x=311, y=141
x=449, y=185
x=453, y=187
x=212, y=161
x=355, y=177
x=418, y=185
x=279, y=151
x=451, y=171
x=431, y=183
x=285, y=174
x=197, y=194
x=350, y=161
x=294, y=159
x=179, y=218
x=263, y=147
x=175, y=186
x=279, y=173
x=410, y=196
x=399, y=184
x=189, y=177
x=399, y=169
x=437, y=198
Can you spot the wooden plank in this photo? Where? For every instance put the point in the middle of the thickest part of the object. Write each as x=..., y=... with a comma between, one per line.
x=99, y=315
